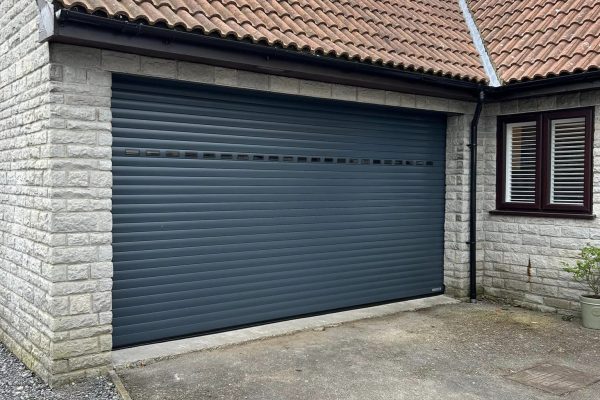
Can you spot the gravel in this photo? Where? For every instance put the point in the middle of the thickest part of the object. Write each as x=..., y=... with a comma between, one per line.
x=18, y=383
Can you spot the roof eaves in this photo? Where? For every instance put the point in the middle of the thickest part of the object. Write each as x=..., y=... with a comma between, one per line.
x=488, y=66
x=426, y=59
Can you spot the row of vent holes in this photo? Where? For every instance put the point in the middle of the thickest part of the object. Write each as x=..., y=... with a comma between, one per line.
x=300, y=159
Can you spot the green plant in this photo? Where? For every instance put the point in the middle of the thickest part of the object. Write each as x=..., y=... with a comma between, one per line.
x=587, y=269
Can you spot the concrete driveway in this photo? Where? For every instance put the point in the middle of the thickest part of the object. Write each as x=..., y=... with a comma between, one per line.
x=458, y=351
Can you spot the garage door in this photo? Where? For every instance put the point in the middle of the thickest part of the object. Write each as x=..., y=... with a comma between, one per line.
x=237, y=207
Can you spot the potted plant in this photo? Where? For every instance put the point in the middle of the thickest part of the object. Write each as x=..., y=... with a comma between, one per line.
x=587, y=270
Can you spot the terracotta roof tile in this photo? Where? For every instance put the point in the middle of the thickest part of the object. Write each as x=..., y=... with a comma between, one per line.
x=528, y=39
x=420, y=35
x=525, y=39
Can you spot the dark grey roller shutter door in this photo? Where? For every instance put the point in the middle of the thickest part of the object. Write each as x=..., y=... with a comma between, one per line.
x=236, y=207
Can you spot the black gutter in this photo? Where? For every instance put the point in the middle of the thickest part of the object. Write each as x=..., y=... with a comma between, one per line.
x=473, y=199
x=65, y=16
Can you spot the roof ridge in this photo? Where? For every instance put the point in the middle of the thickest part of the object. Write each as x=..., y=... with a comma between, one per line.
x=486, y=62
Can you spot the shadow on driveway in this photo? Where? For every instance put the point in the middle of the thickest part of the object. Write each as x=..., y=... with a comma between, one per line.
x=460, y=351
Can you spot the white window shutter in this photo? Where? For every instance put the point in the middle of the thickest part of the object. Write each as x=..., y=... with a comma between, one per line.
x=567, y=161
x=521, y=162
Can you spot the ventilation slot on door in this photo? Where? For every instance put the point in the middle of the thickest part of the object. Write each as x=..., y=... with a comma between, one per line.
x=276, y=158
x=132, y=152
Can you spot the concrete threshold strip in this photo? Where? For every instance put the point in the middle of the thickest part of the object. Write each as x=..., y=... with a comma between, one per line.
x=151, y=353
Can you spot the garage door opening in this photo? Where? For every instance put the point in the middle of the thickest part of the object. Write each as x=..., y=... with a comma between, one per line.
x=235, y=207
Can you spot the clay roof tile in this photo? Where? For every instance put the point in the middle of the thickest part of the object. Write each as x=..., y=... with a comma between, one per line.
x=428, y=35
x=529, y=39
x=526, y=39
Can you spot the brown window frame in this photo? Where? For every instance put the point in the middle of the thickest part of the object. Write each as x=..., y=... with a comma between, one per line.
x=542, y=205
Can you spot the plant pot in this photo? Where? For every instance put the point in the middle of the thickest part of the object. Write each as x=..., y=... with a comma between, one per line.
x=590, y=312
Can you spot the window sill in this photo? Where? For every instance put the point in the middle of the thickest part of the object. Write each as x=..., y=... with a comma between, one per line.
x=544, y=214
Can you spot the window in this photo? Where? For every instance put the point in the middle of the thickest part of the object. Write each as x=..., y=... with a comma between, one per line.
x=545, y=162
x=521, y=166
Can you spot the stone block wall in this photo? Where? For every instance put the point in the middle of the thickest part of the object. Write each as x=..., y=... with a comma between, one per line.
x=523, y=255
x=456, y=263
x=79, y=169
x=26, y=275
x=55, y=220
